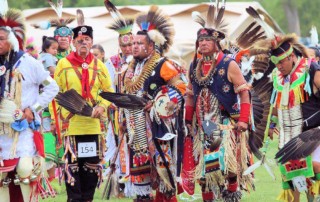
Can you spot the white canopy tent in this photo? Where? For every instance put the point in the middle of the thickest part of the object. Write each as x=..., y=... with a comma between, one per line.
x=186, y=29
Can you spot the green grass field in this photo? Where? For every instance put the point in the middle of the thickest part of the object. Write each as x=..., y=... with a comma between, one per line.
x=267, y=189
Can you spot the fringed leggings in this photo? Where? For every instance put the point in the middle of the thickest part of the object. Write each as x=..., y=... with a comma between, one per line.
x=207, y=192
x=84, y=174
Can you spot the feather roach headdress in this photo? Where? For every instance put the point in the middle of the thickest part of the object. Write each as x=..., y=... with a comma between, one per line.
x=157, y=26
x=283, y=45
x=121, y=25
x=13, y=21
x=274, y=47
x=279, y=47
x=82, y=29
x=213, y=25
x=60, y=23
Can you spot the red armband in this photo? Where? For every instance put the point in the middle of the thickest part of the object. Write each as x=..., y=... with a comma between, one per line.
x=232, y=187
x=189, y=113
x=244, y=112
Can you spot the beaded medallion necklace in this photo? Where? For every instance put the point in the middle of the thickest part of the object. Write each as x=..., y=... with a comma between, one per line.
x=198, y=73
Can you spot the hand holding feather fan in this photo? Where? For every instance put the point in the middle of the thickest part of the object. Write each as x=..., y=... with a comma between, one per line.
x=125, y=100
x=74, y=103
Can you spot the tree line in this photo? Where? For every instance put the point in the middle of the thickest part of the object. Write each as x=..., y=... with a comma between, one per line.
x=292, y=15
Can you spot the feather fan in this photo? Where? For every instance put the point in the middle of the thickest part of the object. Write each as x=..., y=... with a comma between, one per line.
x=74, y=103
x=124, y=100
x=299, y=147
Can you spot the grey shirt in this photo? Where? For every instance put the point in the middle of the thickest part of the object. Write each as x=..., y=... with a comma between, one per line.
x=48, y=60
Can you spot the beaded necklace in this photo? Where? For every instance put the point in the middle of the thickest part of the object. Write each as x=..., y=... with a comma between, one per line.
x=198, y=74
x=133, y=86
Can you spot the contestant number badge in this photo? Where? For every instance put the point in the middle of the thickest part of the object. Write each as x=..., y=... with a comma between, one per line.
x=87, y=149
x=300, y=183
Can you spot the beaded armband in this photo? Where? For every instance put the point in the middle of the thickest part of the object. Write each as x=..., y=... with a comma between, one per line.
x=241, y=87
x=176, y=80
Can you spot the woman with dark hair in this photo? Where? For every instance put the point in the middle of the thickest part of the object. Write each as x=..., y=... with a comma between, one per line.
x=98, y=52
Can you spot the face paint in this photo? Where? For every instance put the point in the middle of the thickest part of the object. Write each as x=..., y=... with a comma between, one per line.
x=64, y=42
x=83, y=45
x=140, y=47
x=80, y=42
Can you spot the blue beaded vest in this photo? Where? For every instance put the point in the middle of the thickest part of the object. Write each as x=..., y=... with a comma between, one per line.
x=219, y=85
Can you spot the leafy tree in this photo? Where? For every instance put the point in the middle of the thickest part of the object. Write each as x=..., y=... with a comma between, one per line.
x=26, y=4
x=308, y=12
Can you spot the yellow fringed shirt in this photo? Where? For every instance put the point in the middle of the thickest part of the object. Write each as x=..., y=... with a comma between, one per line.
x=66, y=78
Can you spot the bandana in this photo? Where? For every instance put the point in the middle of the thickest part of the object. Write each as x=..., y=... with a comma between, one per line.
x=210, y=33
x=77, y=61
